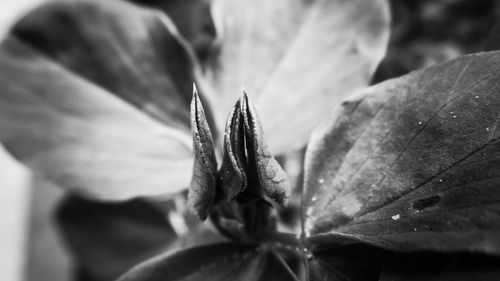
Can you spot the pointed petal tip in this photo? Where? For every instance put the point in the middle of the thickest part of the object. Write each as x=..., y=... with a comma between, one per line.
x=195, y=90
x=245, y=100
x=245, y=94
x=196, y=97
x=195, y=101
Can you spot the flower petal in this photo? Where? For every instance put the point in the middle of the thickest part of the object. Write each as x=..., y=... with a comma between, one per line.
x=247, y=162
x=233, y=171
x=299, y=58
x=412, y=164
x=203, y=184
x=272, y=180
x=83, y=137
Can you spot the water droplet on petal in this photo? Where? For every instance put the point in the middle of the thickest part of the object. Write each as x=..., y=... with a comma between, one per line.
x=396, y=217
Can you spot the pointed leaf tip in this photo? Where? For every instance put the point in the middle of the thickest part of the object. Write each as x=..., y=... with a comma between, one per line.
x=202, y=190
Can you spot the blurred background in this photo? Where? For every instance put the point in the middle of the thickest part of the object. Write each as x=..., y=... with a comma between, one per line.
x=23, y=219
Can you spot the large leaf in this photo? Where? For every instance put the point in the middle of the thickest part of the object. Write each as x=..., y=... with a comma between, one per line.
x=348, y=260
x=412, y=164
x=356, y=261
x=443, y=268
x=74, y=78
x=300, y=57
x=81, y=136
x=217, y=262
x=132, y=52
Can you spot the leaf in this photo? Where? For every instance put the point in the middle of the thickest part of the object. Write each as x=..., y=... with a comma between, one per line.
x=202, y=234
x=193, y=19
x=356, y=261
x=227, y=261
x=107, y=239
x=75, y=76
x=298, y=58
x=132, y=52
x=337, y=269
x=350, y=261
x=457, y=268
x=411, y=164
x=81, y=136
x=203, y=183
x=277, y=269
x=493, y=41
x=218, y=262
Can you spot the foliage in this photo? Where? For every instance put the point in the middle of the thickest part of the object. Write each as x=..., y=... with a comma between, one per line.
x=400, y=179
